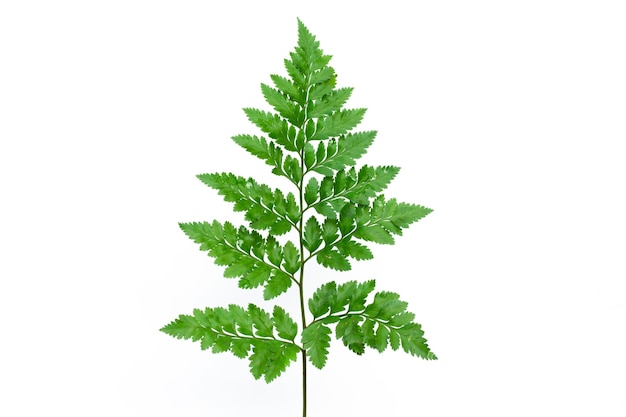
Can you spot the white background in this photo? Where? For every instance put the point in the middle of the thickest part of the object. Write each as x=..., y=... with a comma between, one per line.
x=507, y=118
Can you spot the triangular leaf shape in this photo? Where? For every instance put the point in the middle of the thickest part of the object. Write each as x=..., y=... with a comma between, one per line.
x=333, y=208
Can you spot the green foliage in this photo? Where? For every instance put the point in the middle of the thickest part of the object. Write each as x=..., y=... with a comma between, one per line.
x=255, y=260
x=381, y=323
x=265, y=209
x=245, y=333
x=334, y=209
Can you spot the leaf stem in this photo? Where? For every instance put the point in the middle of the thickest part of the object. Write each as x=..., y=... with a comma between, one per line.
x=305, y=110
x=249, y=337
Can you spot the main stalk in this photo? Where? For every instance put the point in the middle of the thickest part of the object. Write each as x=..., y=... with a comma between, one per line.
x=301, y=284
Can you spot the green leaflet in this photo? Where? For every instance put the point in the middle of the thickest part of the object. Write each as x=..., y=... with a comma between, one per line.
x=387, y=218
x=330, y=103
x=316, y=341
x=244, y=254
x=270, y=359
x=376, y=223
x=349, y=185
x=333, y=259
x=332, y=210
x=336, y=154
x=381, y=323
x=245, y=333
x=330, y=298
x=312, y=236
x=273, y=155
x=265, y=208
x=278, y=283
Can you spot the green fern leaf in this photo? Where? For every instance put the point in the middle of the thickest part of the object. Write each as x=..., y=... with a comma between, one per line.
x=381, y=338
x=413, y=342
x=309, y=155
x=291, y=257
x=311, y=191
x=255, y=277
x=375, y=233
x=387, y=218
x=355, y=250
x=289, y=88
x=287, y=108
x=333, y=259
x=370, y=181
x=242, y=318
x=330, y=298
x=222, y=330
x=273, y=125
x=185, y=327
x=322, y=90
x=270, y=358
x=271, y=153
x=312, y=236
x=330, y=103
x=261, y=321
x=342, y=152
x=278, y=283
x=297, y=77
x=337, y=124
x=316, y=341
x=240, y=348
x=265, y=209
x=349, y=331
x=323, y=299
x=285, y=326
x=330, y=231
x=241, y=251
x=308, y=134
x=385, y=306
x=273, y=251
x=383, y=322
x=346, y=219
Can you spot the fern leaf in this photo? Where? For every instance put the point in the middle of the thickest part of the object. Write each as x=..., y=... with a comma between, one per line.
x=282, y=103
x=354, y=250
x=381, y=323
x=333, y=259
x=221, y=330
x=261, y=321
x=265, y=209
x=278, y=283
x=271, y=153
x=312, y=236
x=337, y=124
x=272, y=124
x=368, y=182
x=322, y=90
x=329, y=103
x=291, y=257
x=185, y=327
x=323, y=299
x=350, y=332
x=387, y=218
x=270, y=358
x=331, y=298
x=316, y=341
x=375, y=233
x=243, y=253
x=307, y=134
x=342, y=152
x=289, y=88
x=285, y=326
x=311, y=191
